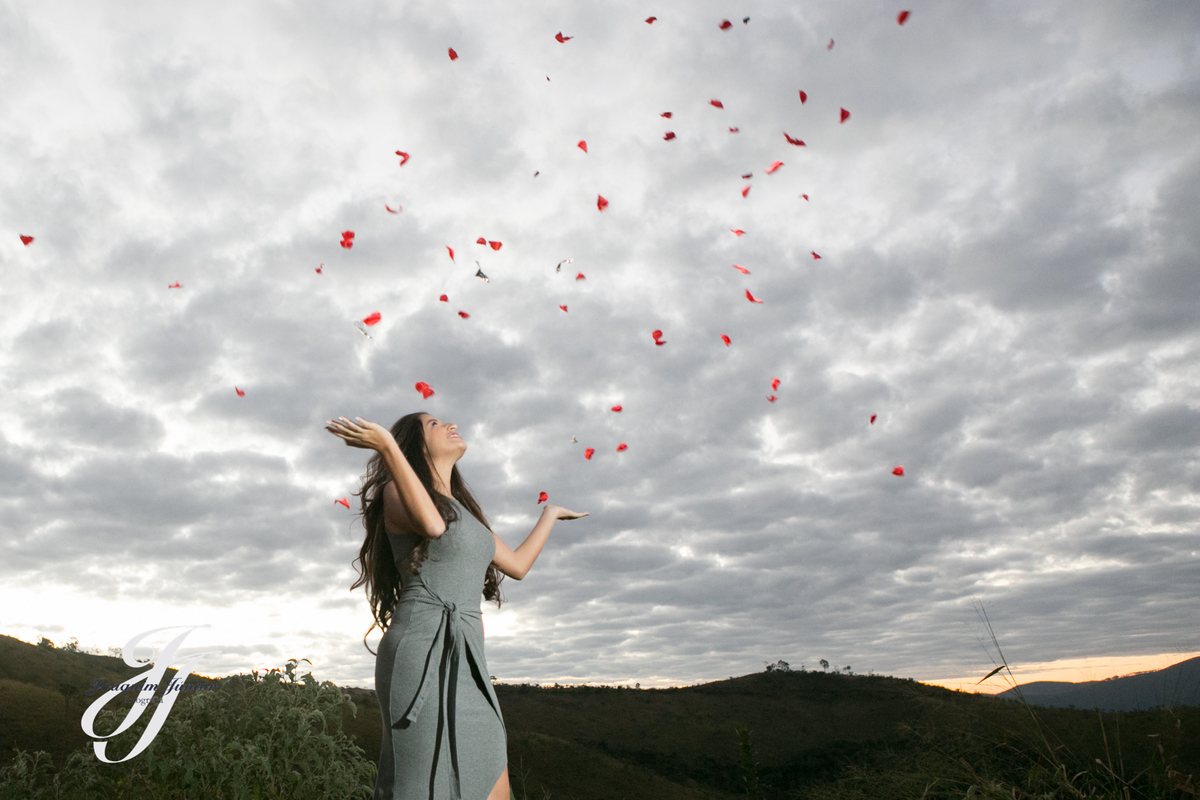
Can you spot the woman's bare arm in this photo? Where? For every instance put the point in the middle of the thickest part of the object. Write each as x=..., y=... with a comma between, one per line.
x=406, y=504
x=517, y=563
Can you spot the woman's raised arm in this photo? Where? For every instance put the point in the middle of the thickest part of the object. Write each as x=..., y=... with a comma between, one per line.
x=416, y=507
x=517, y=563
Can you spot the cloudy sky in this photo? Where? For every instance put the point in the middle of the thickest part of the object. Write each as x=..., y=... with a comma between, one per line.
x=1009, y=231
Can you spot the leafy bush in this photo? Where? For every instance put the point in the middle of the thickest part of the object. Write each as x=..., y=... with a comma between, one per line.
x=273, y=738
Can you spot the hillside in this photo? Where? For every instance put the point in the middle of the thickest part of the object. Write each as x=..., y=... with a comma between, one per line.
x=1176, y=685
x=816, y=735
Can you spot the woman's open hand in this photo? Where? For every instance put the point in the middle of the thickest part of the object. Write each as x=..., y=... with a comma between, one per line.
x=558, y=512
x=367, y=435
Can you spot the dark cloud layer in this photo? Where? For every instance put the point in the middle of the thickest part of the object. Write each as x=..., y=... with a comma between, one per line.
x=1008, y=229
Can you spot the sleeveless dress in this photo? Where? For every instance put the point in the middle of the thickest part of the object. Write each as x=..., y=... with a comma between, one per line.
x=443, y=733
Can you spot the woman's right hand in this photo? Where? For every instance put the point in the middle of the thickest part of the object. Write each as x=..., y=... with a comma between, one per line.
x=558, y=512
x=367, y=435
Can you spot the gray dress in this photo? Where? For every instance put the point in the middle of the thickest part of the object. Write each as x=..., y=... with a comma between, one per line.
x=443, y=733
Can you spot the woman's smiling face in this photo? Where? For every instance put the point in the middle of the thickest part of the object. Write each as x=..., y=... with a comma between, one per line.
x=442, y=439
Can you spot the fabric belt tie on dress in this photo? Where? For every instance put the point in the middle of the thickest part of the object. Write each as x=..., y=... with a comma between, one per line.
x=449, y=637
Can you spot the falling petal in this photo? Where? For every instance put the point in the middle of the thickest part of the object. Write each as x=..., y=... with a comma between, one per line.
x=736, y=231
x=797, y=142
x=542, y=497
x=616, y=408
x=564, y=308
x=746, y=191
x=372, y=318
x=444, y=299
x=845, y=115
x=481, y=240
x=668, y=136
x=830, y=45
x=873, y=418
x=774, y=384
x=587, y=454
x=318, y=270
x=733, y=130
x=725, y=339
x=774, y=166
x=495, y=245
x=751, y=297
x=803, y=97
x=453, y=55
x=451, y=249
x=562, y=39
x=601, y=203
x=581, y=277
x=174, y=285
x=902, y=17
x=666, y=114
x=397, y=210
x=240, y=393
x=582, y=145
x=403, y=157
x=741, y=269
x=650, y=20
x=716, y=103
x=725, y=25
x=343, y=502
x=814, y=254
x=26, y=240
x=804, y=196
x=464, y=314
x=539, y=172
x=425, y=389
x=748, y=176
x=898, y=471
x=771, y=399
x=622, y=446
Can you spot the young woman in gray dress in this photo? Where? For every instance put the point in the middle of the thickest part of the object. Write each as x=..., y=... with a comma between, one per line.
x=428, y=555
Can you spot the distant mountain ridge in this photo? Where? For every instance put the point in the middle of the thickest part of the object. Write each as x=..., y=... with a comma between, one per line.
x=1176, y=685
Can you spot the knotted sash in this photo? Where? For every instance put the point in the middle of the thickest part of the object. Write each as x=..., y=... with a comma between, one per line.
x=446, y=650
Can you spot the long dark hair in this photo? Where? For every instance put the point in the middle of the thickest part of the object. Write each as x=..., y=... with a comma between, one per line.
x=377, y=564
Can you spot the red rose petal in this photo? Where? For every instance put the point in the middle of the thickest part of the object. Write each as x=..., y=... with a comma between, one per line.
x=751, y=297
x=902, y=17
x=601, y=203
x=797, y=142
x=564, y=308
x=736, y=231
x=453, y=55
x=733, y=130
x=616, y=408
x=725, y=25
x=716, y=103
x=318, y=270
x=873, y=418
x=174, y=285
x=814, y=255
x=668, y=136
x=774, y=384
x=372, y=318
x=898, y=471
x=746, y=191
x=581, y=277
x=444, y=299
x=425, y=389
x=650, y=20
x=804, y=196
x=481, y=240
x=622, y=446
x=587, y=454
x=830, y=45
x=725, y=339
x=451, y=250
x=240, y=393
x=495, y=245
x=26, y=240
x=772, y=399
x=582, y=145
x=343, y=502
x=774, y=166
x=542, y=497
x=403, y=157
x=803, y=97
x=397, y=210
x=666, y=114
x=464, y=314
x=562, y=39
x=845, y=115
x=741, y=269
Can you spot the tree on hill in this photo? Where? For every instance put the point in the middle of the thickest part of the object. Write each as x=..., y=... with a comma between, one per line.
x=779, y=666
x=824, y=665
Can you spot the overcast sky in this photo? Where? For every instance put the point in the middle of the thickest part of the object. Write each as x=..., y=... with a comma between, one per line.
x=1009, y=231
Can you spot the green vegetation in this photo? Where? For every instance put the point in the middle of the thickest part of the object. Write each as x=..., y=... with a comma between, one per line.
x=775, y=735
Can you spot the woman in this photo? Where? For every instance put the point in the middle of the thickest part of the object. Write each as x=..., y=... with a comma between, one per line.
x=428, y=554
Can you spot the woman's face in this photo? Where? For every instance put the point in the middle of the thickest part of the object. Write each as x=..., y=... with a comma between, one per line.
x=442, y=439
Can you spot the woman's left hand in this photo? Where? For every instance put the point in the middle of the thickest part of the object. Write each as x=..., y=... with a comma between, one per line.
x=558, y=512
x=363, y=434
